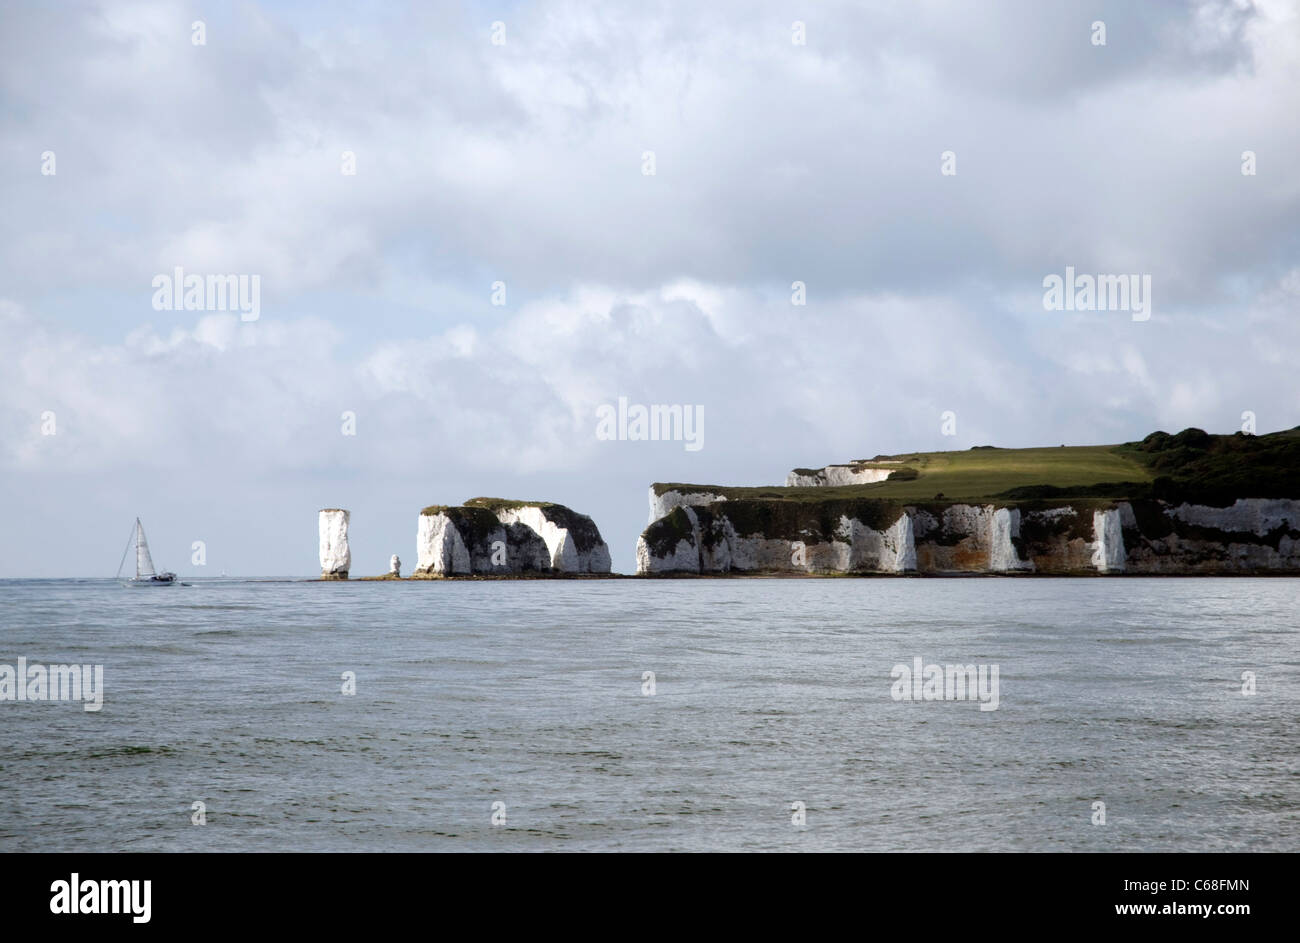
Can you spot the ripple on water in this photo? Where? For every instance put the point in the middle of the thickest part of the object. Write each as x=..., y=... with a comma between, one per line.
x=767, y=692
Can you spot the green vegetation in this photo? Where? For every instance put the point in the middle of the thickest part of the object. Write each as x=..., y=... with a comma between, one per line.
x=982, y=475
x=508, y=504
x=663, y=535
x=1190, y=466
x=476, y=525
x=1217, y=469
x=490, y=504
x=858, y=464
x=776, y=519
x=987, y=473
x=802, y=520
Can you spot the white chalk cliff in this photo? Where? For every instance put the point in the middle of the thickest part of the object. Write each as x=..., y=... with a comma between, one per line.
x=879, y=537
x=1187, y=503
x=858, y=473
x=1004, y=531
x=661, y=503
x=1108, y=542
x=490, y=537
x=439, y=546
x=562, y=546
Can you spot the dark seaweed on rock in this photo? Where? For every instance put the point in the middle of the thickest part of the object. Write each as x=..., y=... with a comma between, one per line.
x=663, y=535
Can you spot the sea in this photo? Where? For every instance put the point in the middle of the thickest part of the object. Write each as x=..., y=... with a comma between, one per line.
x=1131, y=714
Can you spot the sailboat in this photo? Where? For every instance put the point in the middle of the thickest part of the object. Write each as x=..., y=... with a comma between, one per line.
x=144, y=571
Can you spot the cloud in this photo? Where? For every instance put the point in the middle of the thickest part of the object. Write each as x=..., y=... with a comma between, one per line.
x=525, y=393
x=775, y=161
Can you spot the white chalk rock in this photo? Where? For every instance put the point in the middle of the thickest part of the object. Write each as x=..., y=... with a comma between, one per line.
x=1257, y=516
x=683, y=557
x=560, y=544
x=1003, y=556
x=508, y=539
x=661, y=505
x=335, y=557
x=1108, y=541
x=900, y=546
x=395, y=565
x=835, y=475
x=439, y=547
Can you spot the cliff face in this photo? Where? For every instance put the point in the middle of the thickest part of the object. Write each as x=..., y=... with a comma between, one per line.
x=664, y=501
x=1190, y=503
x=856, y=473
x=490, y=536
x=335, y=557
x=1062, y=537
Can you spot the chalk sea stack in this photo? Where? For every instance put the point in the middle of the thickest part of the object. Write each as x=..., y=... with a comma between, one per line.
x=335, y=557
x=1191, y=503
x=499, y=537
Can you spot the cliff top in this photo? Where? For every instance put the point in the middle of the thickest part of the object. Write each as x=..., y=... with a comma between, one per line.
x=857, y=465
x=499, y=504
x=494, y=504
x=1192, y=465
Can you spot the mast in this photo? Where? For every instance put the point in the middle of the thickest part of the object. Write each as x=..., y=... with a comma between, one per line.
x=143, y=562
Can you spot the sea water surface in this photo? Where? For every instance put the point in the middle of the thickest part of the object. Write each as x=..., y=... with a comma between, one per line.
x=767, y=693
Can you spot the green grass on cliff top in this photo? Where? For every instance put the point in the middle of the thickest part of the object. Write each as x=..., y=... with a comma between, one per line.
x=1191, y=465
x=491, y=504
x=983, y=473
x=968, y=476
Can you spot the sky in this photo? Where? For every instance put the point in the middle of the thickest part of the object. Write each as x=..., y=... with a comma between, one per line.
x=501, y=154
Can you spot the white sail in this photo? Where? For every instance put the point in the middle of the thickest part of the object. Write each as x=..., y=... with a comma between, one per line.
x=143, y=562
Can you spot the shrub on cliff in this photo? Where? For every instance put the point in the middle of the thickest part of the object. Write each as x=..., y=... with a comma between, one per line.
x=1197, y=467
